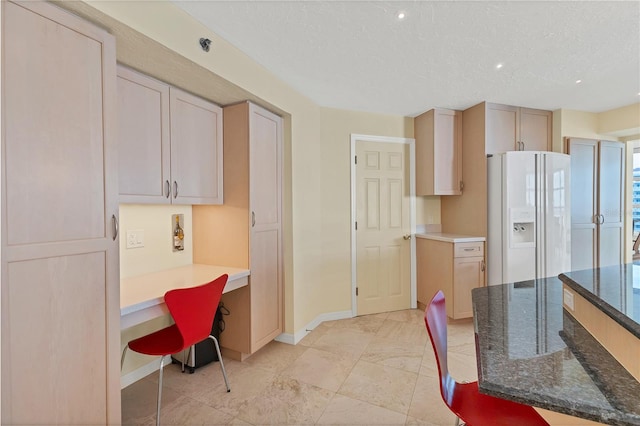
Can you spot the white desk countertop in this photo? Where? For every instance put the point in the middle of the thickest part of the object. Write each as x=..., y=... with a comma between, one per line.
x=450, y=238
x=142, y=297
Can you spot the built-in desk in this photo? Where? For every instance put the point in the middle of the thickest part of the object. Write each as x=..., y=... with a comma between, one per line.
x=530, y=350
x=142, y=297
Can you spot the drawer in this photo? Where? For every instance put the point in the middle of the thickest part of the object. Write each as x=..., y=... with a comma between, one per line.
x=468, y=249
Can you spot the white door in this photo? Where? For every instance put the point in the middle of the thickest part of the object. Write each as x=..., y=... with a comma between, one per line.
x=383, y=250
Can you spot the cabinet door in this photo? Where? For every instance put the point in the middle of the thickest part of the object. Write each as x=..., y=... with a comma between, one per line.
x=611, y=203
x=196, y=149
x=143, y=139
x=468, y=273
x=447, y=155
x=265, y=261
x=60, y=284
x=584, y=184
x=535, y=129
x=502, y=128
x=438, y=152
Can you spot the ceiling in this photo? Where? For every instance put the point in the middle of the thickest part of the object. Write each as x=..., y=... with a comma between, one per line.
x=358, y=55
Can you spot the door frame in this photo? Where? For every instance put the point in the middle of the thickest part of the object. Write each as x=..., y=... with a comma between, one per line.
x=412, y=211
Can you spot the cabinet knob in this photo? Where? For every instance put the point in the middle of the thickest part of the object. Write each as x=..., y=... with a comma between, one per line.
x=407, y=236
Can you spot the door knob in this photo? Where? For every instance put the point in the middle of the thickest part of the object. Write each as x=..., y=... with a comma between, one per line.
x=407, y=236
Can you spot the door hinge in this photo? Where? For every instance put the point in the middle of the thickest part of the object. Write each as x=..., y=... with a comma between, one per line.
x=356, y=291
x=356, y=159
x=356, y=226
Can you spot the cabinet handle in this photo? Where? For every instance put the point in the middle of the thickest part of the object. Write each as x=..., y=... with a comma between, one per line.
x=522, y=145
x=253, y=219
x=601, y=221
x=461, y=186
x=482, y=265
x=407, y=236
x=114, y=222
x=175, y=189
x=469, y=249
x=167, y=188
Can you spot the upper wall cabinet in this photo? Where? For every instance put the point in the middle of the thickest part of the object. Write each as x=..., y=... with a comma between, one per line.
x=438, y=134
x=170, y=144
x=511, y=128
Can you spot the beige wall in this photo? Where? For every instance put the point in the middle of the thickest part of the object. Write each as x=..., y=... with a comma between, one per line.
x=317, y=207
x=623, y=122
x=334, y=294
x=157, y=253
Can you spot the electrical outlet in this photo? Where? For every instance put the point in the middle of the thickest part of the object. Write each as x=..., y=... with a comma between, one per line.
x=135, y=238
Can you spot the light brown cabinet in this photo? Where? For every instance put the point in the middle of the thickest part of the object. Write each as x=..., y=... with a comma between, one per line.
x=438, y=134
x=511, y=128
x=60, y=273
x=456, y=268
x=170, y=143
x=250, y=224
x=486, y=129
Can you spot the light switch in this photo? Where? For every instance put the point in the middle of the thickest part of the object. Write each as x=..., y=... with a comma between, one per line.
x=135, y=238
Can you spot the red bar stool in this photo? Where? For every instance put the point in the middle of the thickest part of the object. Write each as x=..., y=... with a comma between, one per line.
x=193, y=310
x=464, y=399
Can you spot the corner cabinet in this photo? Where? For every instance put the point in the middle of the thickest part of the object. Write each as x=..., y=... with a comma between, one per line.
x=456, y=268
x=250, y=224
x=60, y=271
x=170, y=143
x=511, y=128
x=438, y=134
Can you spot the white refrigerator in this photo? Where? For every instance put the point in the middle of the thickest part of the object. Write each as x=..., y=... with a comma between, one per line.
x=529, y=216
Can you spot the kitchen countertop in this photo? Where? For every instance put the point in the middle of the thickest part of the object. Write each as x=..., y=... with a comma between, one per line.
x=615, y=290
x=531, y=351
x=449, y=238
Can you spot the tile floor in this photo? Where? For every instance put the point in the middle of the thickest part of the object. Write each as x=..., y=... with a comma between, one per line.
x=375, y=369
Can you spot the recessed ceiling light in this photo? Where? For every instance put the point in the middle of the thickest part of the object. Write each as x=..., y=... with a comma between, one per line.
x=578, y=81
x=401, y=15
x=499, y=66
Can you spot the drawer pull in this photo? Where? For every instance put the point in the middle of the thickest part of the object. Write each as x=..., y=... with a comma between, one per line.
x=470, y=249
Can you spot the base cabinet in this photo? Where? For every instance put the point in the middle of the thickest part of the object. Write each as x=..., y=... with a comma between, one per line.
x=250, y=224
x=454, y=268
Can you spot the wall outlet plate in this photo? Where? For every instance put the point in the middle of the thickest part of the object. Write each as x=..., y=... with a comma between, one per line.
x=135, y=238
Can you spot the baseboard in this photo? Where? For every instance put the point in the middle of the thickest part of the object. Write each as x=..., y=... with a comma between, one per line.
x=139, y=373
x=293, y=339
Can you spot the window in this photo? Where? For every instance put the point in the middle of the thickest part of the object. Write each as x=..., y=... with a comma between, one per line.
x=636, y=191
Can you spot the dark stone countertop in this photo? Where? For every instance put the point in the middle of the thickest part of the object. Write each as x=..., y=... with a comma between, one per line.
x=531, y=351
x=615, y=290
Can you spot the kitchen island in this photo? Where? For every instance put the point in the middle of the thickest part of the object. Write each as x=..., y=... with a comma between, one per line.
x=531, y=350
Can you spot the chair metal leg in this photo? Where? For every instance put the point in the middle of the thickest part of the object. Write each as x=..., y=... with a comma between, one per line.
x=160, y=390
x=124, y=351
x=224, y=372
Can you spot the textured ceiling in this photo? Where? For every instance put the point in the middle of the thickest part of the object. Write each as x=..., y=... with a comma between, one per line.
x=358, y=55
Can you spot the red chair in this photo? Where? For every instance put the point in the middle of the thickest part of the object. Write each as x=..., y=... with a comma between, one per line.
x=464, y=399
x=192, y=310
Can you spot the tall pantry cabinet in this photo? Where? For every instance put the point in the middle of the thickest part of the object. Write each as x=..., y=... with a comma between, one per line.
x=597, y=202
x=60, y=272
x=250, y=225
